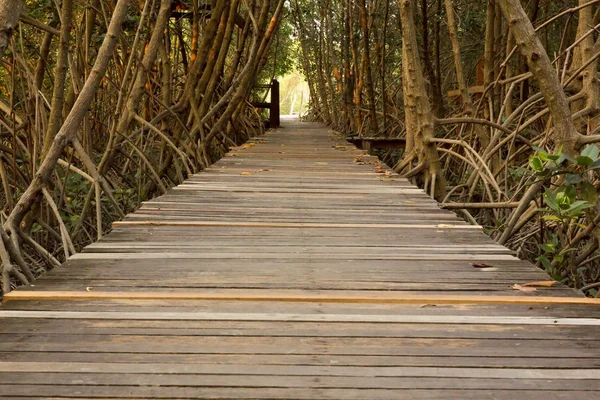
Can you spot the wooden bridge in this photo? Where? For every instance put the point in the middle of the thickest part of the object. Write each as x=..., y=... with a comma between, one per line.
x=297, y=267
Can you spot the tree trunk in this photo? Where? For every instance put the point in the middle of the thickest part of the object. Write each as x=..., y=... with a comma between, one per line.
x=419, y=115
x=60, y=76
x=544, y=74
x=368, y=76
x=10, y=10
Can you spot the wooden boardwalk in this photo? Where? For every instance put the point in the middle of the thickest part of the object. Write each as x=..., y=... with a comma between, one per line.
x=297, y=268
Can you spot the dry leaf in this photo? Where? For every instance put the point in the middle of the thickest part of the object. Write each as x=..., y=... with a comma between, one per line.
x=481, y=265
x=540, y=284
x=321, y=163
x=245, y=173
x=380, y=171
x=89, y=289
x=523, y=288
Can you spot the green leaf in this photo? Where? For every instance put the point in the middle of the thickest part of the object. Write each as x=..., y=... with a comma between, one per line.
x=552, y=218
x=563, y=200
x=584, y=161
x=544, y=156
x=561, y=159
x=588, y=192
x=536, y=164
x=545, y=263
x=548, y=247
x=539, y=150
x=572, y=179
x=550, y=199
x=570, y=191
x=554, y=157
x=591, y=151
x=595, y=165
x=577, y=208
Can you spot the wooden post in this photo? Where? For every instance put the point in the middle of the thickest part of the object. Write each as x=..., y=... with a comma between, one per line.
x=274, y=120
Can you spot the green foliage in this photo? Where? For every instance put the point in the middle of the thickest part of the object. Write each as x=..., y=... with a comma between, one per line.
x=576, y=193
x=553, y=257
x=128, y=198
x=566, y=201
x=75, y=190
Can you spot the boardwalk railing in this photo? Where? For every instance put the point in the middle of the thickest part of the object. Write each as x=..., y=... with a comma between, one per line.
x=273, y=105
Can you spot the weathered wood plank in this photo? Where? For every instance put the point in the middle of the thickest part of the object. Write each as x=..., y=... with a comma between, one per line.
x=272, y=295
x=199, y=316
x=301, y=370
x=274, y=393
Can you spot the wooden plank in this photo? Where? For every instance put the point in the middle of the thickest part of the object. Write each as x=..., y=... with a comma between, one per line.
x=299, y=370
x=293, y=329
x=58, y=392
x=304, y=359
x=199, y=316
x=291, y=225
x=294, y=256
x=271, y=295
x=296, y=381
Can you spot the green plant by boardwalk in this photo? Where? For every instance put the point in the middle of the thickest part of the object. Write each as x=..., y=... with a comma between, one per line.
x=568, y=193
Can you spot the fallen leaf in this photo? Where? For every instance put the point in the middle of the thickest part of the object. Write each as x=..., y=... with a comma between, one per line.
x=245, y=173
x=89, y=289
x=481, y=265
x=321, y=163
x=380, y=171
x=523, y=288
x=540, y=284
